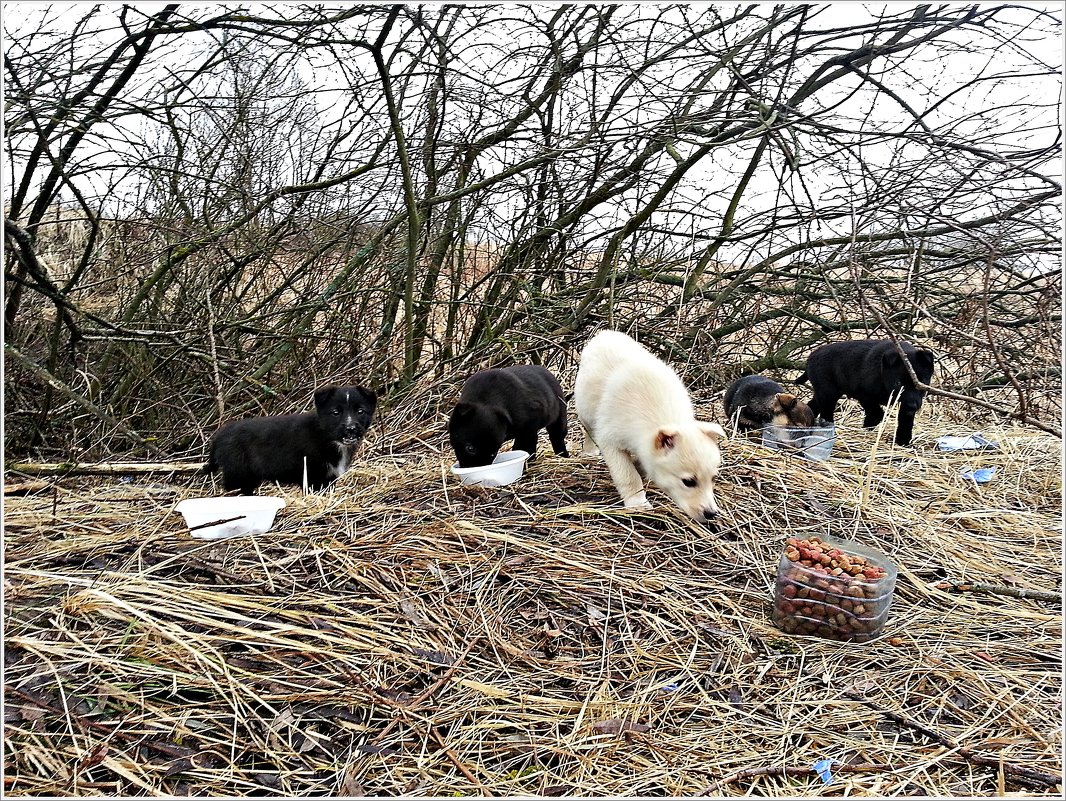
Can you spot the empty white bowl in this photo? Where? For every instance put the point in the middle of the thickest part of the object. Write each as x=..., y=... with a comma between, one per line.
x=815, y=444
x=229, y=516
x=505, y=469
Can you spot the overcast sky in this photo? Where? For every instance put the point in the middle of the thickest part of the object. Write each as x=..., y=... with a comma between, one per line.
x=1029, y=117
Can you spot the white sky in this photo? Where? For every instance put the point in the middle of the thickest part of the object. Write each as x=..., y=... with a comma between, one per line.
x=699, y=208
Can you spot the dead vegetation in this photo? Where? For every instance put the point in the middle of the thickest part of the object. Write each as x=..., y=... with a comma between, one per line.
x=229, y=211
x=404, y=635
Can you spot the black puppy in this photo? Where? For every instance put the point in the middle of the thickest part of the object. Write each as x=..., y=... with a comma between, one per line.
x=870, y=371
x=510, y=403
x=755, y=401
x=260, y=449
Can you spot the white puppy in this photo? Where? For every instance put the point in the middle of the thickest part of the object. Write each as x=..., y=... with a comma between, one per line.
x=637, y=410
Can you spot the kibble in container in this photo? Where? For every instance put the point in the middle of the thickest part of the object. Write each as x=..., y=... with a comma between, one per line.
x=833, y=588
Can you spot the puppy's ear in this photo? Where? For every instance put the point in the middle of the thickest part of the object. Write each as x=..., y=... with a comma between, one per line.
x=504, y=416
x=890, y=360
x=786, y=400
x=924, y=358
x=713, y=430
x=664, y=439
x=370, y=395
x=462, y=409
x=323, y=394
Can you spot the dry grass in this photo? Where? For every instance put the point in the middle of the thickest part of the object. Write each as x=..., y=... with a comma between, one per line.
x=401, y=634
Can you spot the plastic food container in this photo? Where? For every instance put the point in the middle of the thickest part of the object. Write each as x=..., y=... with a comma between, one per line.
x=505, y=469
x=229, y=515
x=815, y=444
x=833, y=588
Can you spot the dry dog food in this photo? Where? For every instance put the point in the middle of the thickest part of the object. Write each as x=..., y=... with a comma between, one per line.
x=827, y=588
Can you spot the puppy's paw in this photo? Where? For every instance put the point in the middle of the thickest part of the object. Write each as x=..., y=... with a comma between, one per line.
x=638, y=501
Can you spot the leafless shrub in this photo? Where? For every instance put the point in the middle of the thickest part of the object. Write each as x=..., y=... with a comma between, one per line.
x=211, y=211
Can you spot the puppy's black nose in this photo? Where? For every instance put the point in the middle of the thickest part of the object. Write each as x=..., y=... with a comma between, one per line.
x=708, y=514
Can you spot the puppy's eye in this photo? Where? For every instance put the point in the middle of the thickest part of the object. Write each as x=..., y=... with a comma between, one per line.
x=335, y=412
x=470, y=449
x=690, y=482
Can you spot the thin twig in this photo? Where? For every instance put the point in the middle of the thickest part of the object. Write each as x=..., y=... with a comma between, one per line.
x=790, y=771
x=996, y=589
x=42, y=375
x=1020, y=773
x=102, y=468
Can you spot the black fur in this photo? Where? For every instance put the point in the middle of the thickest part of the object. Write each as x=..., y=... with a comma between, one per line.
x=870, y=371
x=754, y=401
x=260, y=449
x=510, y=403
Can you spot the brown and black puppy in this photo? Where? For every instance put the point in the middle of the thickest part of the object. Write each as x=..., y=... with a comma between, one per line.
x=871, y=371
x=756, y=401
x=509, y=403
x=258, y=449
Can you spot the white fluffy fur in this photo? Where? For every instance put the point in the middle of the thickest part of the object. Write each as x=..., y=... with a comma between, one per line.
x=637, y=410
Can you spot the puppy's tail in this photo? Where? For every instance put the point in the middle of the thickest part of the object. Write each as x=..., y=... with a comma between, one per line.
x=802, y=379
x=210, y=466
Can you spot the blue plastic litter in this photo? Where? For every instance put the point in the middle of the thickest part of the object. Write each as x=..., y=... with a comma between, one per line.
x=823, y=767
x=670, y=688
x=982, y=475
x=968, y=443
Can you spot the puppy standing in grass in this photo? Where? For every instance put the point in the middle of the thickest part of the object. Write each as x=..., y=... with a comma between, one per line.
x=509, y=403
x=637, y=410
x=872, y=372
x=280, y=448
x=755, y=401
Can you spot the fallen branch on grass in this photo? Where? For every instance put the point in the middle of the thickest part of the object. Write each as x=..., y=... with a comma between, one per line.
x=103, y=468
x=26, y=488
x=996, y=589
x=1020, y=773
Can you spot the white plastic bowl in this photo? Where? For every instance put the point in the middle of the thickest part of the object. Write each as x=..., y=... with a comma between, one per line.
x=229, y=516
x=505, y=469
x=815, y=444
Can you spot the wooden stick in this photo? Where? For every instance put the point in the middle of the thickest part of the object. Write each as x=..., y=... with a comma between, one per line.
x=217, y=522
x=103, y=468
x=485, y=791
x=1020, y=773
x=996, y=589
x=26, y=488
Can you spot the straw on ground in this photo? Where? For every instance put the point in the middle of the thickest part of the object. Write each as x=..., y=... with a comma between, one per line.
x=402, y=634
